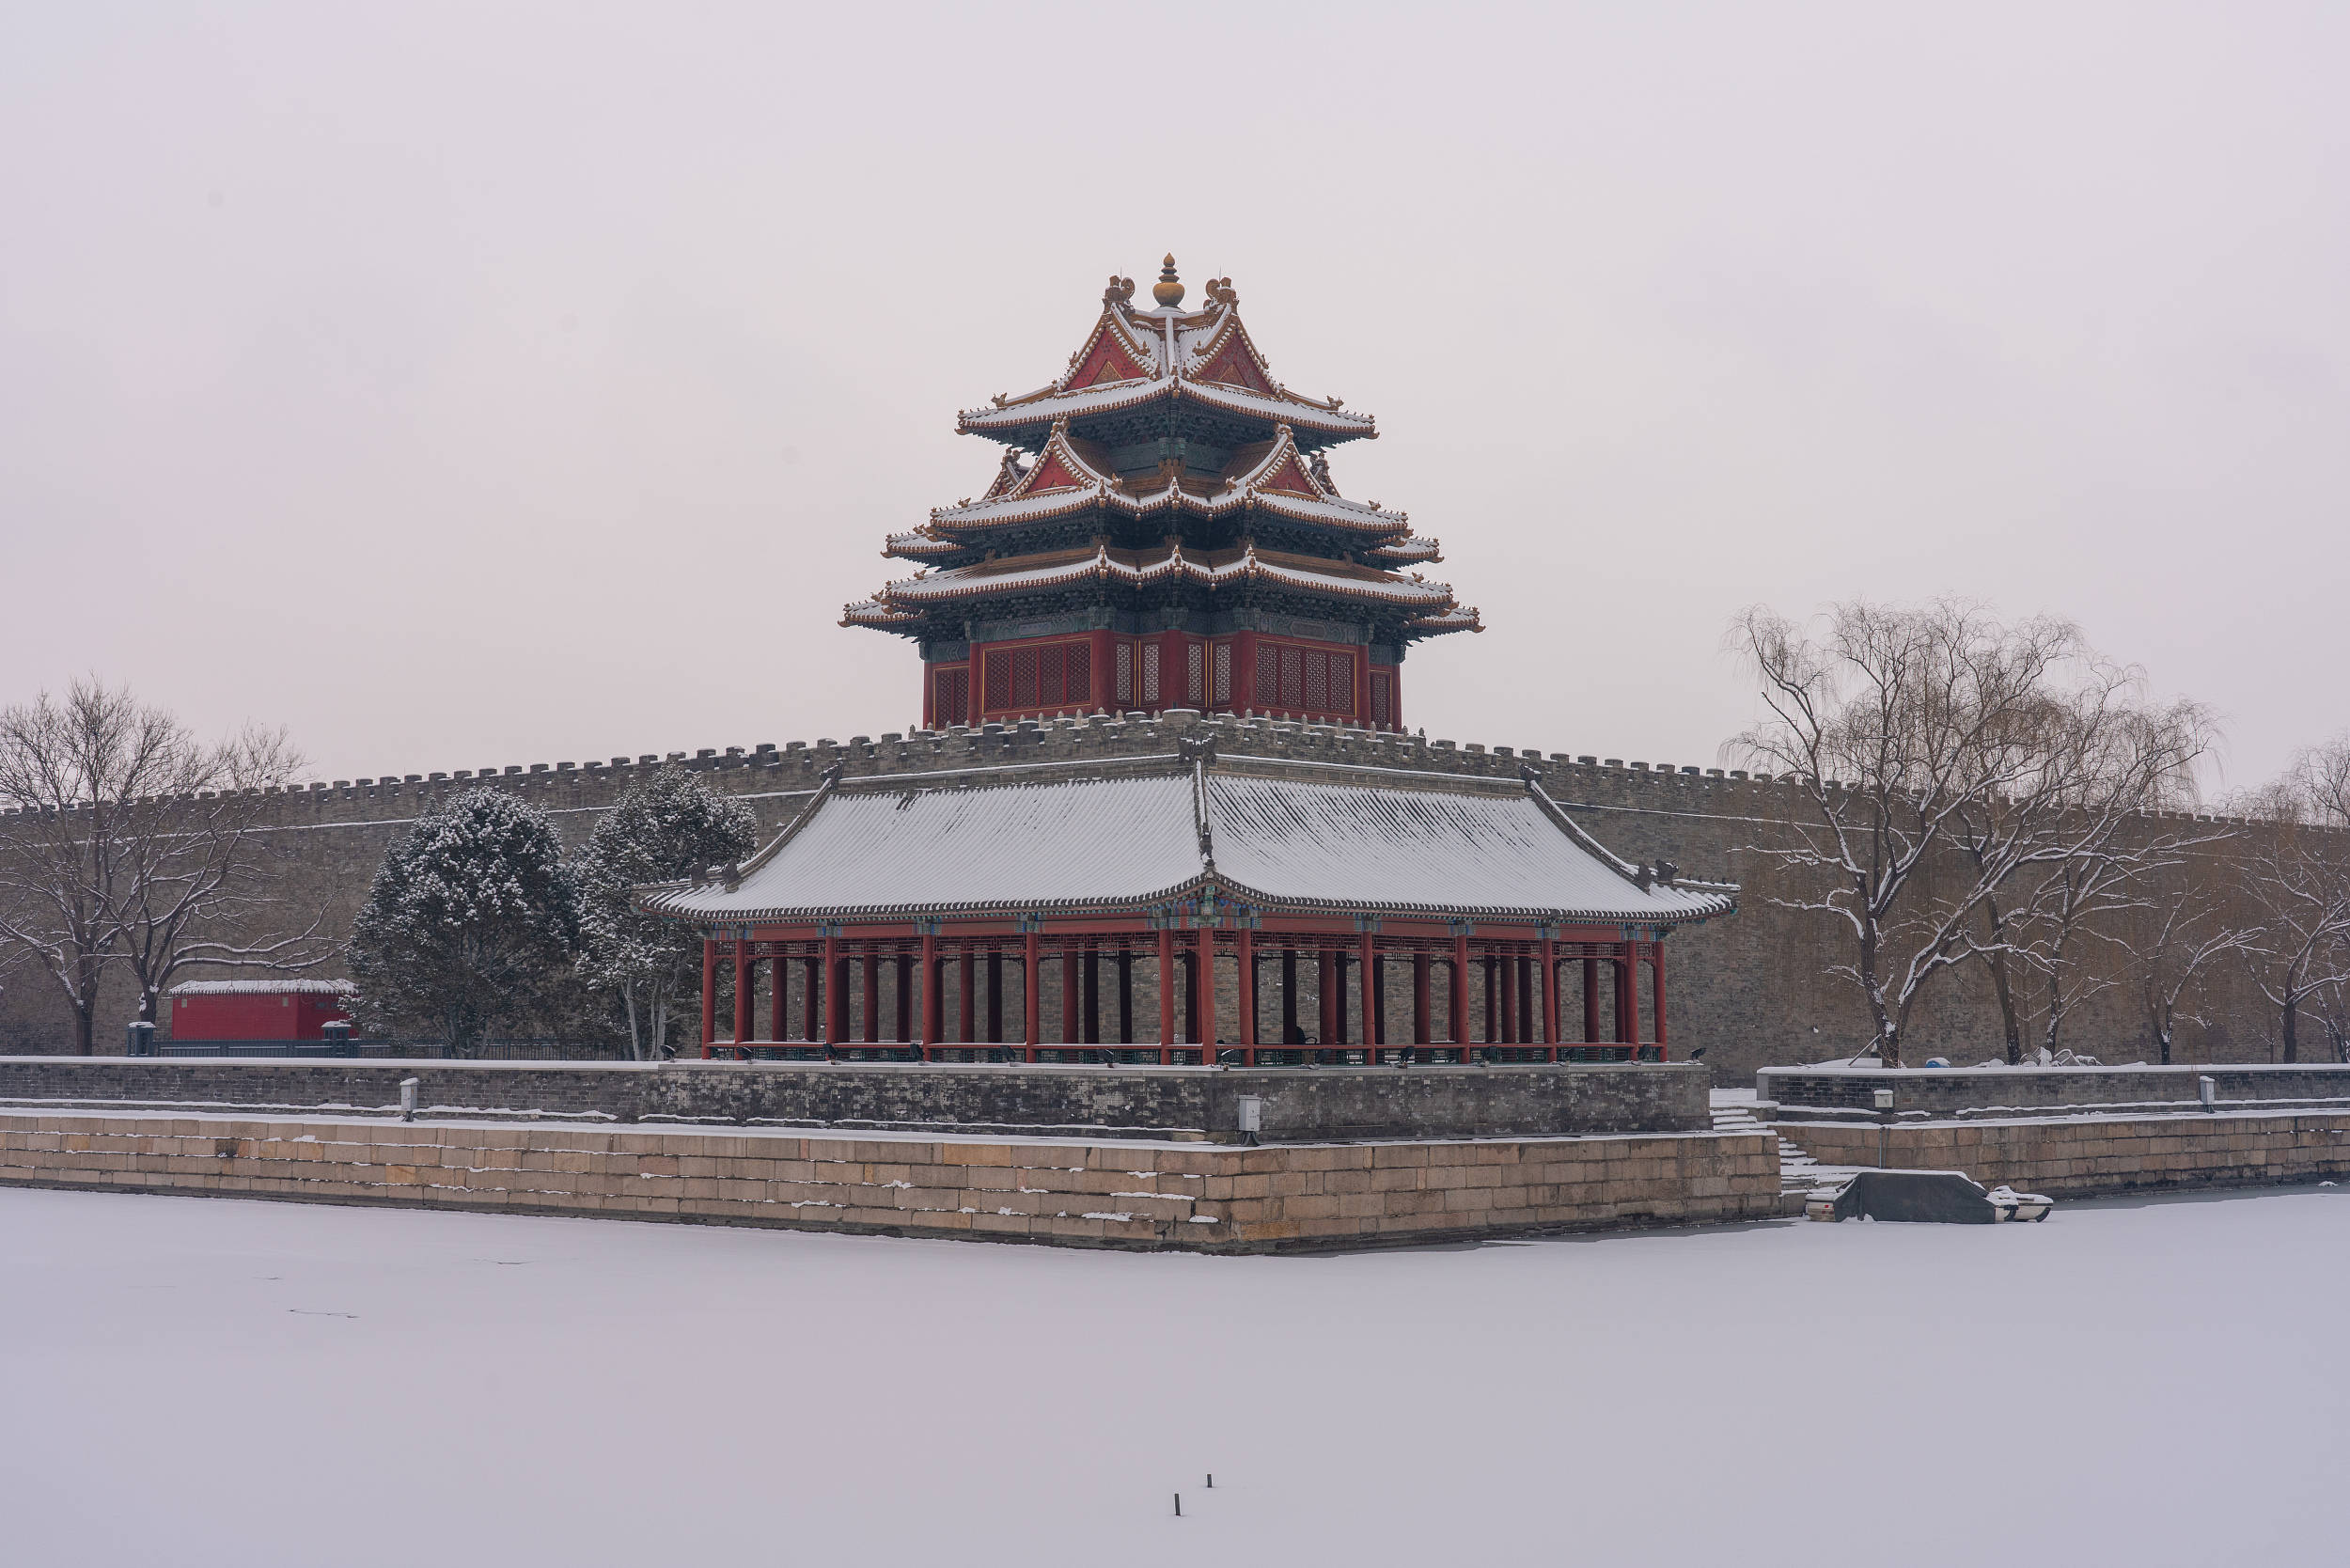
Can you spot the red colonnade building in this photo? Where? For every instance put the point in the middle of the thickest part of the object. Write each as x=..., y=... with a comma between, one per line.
x=1276, y=911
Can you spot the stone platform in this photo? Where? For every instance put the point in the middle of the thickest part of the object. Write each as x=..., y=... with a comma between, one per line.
x=1135, y=1193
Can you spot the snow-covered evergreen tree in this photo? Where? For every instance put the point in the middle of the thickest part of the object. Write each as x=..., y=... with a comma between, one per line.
x=664, y=826
x=471, y=925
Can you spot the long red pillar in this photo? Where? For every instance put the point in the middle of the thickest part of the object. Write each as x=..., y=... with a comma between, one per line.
x=779, y=973
x=966, y=1023
x=1550, y=995
x=933, y=1003
x=1591, y=1001
x=742, y=993
x=1326, y=986
x=1166, y=994
x=709, y=995
x=1203, y=987
x=873, y=995
x=902, y=972
x=1509, y=1030
x=1460, y=995
x=1031, y=994
x=1420, y=1012
x=835, y=995
x=811, y=998
x=1245, y=943
x=1656, y=999
x=1369, y=960
x=1631, y=995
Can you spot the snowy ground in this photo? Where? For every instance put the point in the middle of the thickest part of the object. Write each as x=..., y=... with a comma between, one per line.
x=207, y=1381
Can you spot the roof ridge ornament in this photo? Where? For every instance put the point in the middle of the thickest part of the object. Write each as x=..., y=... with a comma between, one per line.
x=1168, y=290
x=1121, y=290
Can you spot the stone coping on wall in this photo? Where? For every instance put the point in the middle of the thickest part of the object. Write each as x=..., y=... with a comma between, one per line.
x=1948, y=1091
x=1149, y=1194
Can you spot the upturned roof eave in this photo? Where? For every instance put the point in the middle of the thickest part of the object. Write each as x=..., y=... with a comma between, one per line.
x=1716, y=907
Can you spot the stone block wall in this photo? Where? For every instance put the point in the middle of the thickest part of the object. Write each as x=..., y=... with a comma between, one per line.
x=1297, y=1106
x=1152, y=1196
x=2085, y=1156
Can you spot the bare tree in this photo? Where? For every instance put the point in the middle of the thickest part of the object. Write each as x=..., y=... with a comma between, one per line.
x=202, y=899
x=129, y=842
x=2296, y=879
x=2121, y=770
x=1900, y=727
x=2180, y=925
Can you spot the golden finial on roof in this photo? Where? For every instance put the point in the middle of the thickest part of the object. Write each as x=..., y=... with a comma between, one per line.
x=1168, y=290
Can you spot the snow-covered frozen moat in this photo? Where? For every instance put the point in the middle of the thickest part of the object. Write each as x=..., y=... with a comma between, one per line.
x=210, y=1382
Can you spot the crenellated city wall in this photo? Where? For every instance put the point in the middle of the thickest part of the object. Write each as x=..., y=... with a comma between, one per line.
x=1748, y=992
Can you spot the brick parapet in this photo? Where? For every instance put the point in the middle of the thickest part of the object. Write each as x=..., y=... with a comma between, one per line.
x=1146, y=1196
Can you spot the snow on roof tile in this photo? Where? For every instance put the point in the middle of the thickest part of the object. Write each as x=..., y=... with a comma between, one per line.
x=1424, y=845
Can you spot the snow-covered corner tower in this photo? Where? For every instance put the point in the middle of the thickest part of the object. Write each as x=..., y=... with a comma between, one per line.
x=1163, y=531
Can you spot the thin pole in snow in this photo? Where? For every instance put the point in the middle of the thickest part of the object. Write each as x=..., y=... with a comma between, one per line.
x=1210, y=1481
x=1178, y=1505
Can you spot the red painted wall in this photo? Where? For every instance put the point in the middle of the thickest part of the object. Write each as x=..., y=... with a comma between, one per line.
x=1343, y=684
x=254, y=1016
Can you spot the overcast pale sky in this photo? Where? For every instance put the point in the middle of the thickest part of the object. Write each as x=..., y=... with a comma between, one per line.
x=469, y=384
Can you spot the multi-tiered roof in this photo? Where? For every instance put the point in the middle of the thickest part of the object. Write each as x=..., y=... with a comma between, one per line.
x=1167, y=474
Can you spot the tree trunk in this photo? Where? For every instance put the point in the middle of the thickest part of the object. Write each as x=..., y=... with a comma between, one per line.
x=2002, y=985
x=2293, y=1026
x=1889, y=1043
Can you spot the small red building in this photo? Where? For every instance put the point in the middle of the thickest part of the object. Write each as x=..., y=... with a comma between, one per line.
x=258, y=1010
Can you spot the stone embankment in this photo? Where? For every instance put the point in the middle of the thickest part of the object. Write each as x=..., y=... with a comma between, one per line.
x=2089, y=1156
x=2072, y=1131
x=1135, y=1193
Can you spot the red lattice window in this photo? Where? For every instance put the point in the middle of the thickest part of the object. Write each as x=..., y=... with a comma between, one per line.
x=1045, y=678
x=1125, y=675
x=1223, y=693
x=1296, y=679
x=1341, y=684
x=1382, y=699
x=950, y=696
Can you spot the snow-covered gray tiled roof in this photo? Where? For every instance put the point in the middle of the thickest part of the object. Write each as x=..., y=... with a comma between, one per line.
x=1017, y=839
